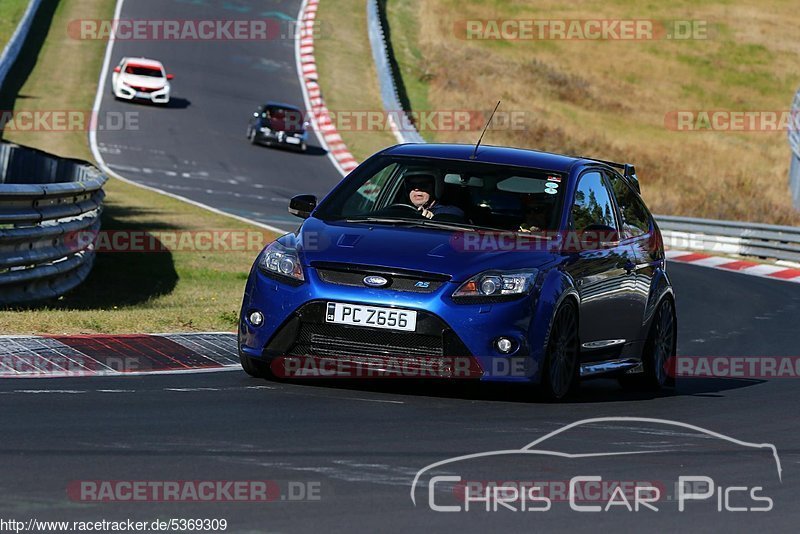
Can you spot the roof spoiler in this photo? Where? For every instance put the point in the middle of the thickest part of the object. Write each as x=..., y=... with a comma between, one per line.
x=628, y=170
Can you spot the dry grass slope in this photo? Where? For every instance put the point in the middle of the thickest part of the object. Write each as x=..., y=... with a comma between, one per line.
x=608, y=99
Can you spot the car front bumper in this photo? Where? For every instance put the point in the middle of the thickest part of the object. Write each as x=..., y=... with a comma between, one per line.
x=129, y=93
x=281, y=138
x=294, y=325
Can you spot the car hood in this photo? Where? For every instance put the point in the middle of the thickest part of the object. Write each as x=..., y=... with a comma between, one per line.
x=143, y=81
x=457, y=254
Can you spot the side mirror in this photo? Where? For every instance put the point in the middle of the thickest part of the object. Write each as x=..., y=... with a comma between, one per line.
x=170, y=76
x=599, y=236
x=302, y=205
x=117, y=69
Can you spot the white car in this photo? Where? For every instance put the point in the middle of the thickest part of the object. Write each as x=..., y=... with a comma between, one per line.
x=141, y=79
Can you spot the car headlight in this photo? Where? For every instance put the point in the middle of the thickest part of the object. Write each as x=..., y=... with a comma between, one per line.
x=496, y=285
x=265, y=130
x=277, y=260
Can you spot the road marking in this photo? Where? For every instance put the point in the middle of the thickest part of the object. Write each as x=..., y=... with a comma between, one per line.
x=375, y=400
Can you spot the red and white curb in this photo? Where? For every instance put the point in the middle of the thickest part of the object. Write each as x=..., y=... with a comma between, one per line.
x=320, y=115
x=775, y=272
x=116, y=355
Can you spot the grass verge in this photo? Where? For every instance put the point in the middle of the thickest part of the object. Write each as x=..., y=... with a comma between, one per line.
x=11, y=12
x=127, y=292
x=347, y=72
x=57, y=72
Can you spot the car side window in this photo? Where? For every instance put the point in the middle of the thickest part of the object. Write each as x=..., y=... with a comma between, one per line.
x=635, y=217
x=592, y=206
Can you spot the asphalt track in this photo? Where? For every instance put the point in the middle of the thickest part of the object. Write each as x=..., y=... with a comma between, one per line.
x=196, y=147
x=362, y=444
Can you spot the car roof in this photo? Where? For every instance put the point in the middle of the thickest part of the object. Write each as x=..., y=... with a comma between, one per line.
x=273, y=104
x=144, y=62
x=490, y=154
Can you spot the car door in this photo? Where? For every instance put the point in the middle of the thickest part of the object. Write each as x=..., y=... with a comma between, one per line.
x=598, y=268
x=638, y=231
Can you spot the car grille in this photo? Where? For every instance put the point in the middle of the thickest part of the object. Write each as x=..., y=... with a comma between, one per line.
x=146, y=89
x=338, y=340
x=399, y=279
x=306, y=333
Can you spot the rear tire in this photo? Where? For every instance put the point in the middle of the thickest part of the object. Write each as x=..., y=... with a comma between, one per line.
x=560, y=371
x=659, y=352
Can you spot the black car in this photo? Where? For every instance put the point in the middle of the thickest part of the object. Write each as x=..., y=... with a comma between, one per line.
x=278, y=124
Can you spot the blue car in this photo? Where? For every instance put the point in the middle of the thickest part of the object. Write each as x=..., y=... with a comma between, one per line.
x=494, y=263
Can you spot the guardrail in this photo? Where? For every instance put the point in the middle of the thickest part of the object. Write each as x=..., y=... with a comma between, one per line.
x=46, y=202
x=794, y=142
x=14, y=45
x=405, y=130
x=731, y=237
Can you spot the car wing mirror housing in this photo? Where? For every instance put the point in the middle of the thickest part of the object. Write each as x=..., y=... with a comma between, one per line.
x=302, y=205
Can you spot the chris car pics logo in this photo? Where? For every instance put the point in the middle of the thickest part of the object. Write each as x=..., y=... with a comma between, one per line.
x=691, y=488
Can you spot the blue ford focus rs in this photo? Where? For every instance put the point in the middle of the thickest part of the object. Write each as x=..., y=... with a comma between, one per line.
x=493, y=263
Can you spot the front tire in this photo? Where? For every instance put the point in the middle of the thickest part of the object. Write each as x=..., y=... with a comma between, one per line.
x=560, y=371
x=254, y=368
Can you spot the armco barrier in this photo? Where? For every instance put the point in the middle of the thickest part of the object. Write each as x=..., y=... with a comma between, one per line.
x=389, y=94
x=731, y=237
x=44, y=199
x=794, y=143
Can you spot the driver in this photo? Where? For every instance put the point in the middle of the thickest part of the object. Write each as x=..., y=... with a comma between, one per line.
x=422, y=195
x=535, y=215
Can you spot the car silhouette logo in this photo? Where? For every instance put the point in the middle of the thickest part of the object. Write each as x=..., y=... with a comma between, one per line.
x=375, y=281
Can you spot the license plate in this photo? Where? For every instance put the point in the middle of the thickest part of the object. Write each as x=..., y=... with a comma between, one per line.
x=142, y=94
x=293, y=140
x=371, y=316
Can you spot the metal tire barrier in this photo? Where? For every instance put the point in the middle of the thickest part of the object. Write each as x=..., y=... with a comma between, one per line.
x=49, y=215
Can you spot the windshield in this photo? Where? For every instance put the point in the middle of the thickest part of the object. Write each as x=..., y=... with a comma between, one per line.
x=137, y=70
x=284, y=119
x=469, y=194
